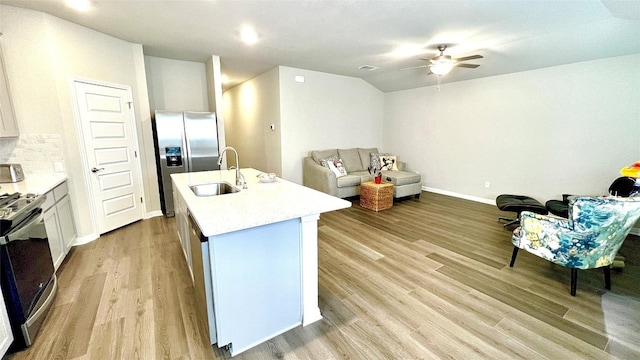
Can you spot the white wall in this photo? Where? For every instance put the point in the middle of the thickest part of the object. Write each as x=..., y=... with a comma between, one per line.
x=43, y=54
x=176, y=84
x=249, y=109
x=542, y=133
x=326, y=111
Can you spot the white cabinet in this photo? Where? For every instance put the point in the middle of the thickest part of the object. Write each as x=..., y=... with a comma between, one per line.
x=182, y=227
x=52, y=225
x=8, y=124
x=58, y=219
x=6, y=336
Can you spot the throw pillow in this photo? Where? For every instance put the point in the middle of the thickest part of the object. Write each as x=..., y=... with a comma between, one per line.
x=337, y=167
x=375, y=161
x=327, y=159
x=388, y=162
x=365, y=159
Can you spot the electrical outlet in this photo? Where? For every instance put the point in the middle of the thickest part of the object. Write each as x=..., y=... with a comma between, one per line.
x=487, y=184
x=58, y=166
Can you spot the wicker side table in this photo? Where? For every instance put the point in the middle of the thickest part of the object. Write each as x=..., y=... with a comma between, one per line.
x=376, y=197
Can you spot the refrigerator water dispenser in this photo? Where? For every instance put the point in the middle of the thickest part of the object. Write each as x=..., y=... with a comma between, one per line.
x=174, y=156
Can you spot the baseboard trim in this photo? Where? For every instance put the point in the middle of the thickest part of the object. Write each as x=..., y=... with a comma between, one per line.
x=458, y=195
x=634, y=231
x=153, y=214
x=81, y=240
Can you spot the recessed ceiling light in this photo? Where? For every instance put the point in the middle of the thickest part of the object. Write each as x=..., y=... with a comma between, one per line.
x=81, y=5
x=248, y=35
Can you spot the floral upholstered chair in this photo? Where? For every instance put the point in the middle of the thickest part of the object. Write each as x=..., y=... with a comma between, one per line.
x=588, y=239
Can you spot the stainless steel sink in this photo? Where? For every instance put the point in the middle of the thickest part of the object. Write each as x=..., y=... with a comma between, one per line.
x=213, y=189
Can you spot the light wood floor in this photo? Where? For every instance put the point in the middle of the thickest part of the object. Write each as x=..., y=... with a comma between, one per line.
x=427, y=279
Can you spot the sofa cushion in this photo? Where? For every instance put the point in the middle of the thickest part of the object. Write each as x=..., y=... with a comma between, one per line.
x=399, y=178
x=317, y=155
x=351, y=159
x=365, y=157
x=348, y=180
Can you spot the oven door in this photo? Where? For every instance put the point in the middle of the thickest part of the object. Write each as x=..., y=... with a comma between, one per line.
x=27, y=265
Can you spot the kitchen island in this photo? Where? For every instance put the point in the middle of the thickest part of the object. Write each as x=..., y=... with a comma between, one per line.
x=253, y=254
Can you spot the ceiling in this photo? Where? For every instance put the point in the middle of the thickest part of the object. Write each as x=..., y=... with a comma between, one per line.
x=340, y=36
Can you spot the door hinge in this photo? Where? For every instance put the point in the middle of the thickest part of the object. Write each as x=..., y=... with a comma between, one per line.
x=141, y=199
x=129, y=103
x=135, y=153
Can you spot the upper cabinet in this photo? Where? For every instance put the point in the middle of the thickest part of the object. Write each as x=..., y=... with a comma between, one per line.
x=8, y=124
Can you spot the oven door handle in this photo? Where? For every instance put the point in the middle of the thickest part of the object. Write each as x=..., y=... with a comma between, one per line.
x=22, y=229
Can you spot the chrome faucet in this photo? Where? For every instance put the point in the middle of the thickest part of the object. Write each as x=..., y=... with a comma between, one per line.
x=240, y=181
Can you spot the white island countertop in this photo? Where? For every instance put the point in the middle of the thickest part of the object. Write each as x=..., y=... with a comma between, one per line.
x=259, y=204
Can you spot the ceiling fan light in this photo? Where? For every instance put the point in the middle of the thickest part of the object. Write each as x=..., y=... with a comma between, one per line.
x=441, y=67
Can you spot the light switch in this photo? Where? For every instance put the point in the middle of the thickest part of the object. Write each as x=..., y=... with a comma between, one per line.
x=58, y=166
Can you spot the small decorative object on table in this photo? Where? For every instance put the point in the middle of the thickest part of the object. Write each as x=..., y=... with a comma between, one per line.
x=376, y=172
x=267, y=178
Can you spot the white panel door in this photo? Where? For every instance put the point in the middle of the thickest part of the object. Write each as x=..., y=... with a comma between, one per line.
x=109, y=138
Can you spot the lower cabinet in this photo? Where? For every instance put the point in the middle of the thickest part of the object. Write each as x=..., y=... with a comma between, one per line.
x=58, y=219
x=182, y=226
x=248, y=283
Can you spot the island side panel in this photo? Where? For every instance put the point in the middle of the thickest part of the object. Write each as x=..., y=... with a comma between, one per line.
x=257, y=283
x=309, y=235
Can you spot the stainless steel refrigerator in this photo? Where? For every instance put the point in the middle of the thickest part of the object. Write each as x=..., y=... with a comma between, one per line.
x=185, y=141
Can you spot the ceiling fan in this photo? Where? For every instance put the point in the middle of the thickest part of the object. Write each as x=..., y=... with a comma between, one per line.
x=442, y=64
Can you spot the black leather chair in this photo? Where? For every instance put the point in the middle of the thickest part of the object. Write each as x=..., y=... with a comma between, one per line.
x=622, y=186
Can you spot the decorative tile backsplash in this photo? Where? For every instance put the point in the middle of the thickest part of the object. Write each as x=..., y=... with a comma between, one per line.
x=37, y=153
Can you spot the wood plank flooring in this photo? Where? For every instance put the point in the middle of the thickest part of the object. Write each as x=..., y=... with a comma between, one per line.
x=426, y=279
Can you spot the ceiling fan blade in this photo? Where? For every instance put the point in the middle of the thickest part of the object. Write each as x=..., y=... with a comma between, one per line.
x=470, y=66
x=414, y=67
x=472, y=57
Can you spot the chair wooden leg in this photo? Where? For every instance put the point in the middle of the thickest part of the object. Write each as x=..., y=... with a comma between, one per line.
x=513, y=256
x=607, y=277
x=574, y=281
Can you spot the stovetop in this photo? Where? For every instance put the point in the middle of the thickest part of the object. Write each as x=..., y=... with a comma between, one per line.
x=16, y=207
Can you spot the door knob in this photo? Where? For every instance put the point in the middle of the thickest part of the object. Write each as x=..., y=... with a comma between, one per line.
x=95, y=169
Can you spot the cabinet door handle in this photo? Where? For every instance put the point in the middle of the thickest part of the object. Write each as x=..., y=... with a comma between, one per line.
x=95, y=169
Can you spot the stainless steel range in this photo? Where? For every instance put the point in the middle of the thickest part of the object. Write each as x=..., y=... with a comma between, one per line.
x=28, y=277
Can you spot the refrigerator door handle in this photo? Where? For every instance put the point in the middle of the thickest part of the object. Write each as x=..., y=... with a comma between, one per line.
x=187, y=145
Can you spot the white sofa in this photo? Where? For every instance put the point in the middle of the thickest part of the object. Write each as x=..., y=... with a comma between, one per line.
x=356, y=162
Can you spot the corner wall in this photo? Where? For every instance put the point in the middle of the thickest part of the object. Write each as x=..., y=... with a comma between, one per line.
x=249, y=110
x=542, y=133
x=326, y=111
x=176, y=85
x=43, y=55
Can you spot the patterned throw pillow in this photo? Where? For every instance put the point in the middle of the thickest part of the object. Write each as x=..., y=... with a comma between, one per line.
x=324, y=161
x=337, y=167
x=389, y=162
x=375, y=161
